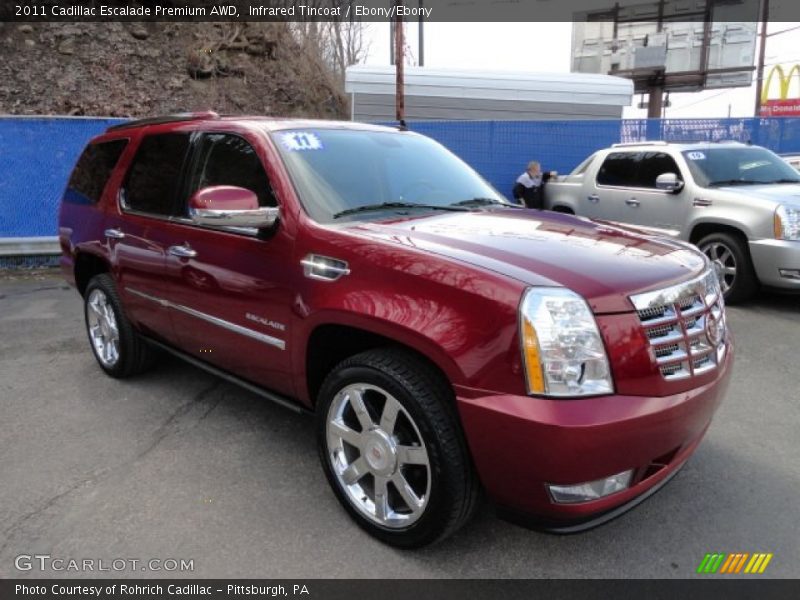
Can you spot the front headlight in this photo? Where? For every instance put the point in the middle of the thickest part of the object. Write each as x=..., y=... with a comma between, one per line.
x=787, y=223
x=562, y=349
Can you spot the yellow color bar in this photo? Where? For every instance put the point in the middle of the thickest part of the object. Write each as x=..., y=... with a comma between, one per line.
x=755, y=563
x=764, y=564
x=751, y=563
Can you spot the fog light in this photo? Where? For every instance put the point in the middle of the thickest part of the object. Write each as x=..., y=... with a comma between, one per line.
x=592, y=490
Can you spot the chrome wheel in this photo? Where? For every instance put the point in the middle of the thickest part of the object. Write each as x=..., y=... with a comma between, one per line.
x=103, y=329
x=378, y=456
x=724, y=263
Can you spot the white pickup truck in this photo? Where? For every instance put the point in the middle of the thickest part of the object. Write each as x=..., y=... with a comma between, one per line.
x=740, y=204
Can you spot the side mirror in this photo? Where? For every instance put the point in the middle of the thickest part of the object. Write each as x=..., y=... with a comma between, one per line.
x=230, y=206
x=669, y=182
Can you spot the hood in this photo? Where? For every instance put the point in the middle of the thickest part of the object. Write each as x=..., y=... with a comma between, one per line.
x=604, y=264
x=780, y=193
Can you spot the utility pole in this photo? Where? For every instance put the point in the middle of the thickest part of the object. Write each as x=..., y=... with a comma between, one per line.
x=421, y=51
x=399, y=63
x=655, y=92
x=655, y=101
x=762, y=50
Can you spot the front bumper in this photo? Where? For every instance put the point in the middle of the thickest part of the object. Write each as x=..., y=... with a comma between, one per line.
x=770, y=256
x=519, y=444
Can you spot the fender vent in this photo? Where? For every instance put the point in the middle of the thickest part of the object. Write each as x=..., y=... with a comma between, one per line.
x=324, y=268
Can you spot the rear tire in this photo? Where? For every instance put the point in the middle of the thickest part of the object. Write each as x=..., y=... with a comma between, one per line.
x=739, y=281
x=119, y=349
x=392, y=449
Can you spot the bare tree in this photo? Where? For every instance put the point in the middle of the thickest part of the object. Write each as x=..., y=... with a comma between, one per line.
x=339, y=44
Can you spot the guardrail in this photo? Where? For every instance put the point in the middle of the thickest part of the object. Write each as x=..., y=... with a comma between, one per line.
x=29, y=246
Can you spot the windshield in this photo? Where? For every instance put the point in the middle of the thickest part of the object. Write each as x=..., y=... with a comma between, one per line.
x=337, y=171
x=738, y=165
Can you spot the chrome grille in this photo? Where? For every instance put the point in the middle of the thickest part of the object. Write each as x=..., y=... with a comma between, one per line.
x=685, y=325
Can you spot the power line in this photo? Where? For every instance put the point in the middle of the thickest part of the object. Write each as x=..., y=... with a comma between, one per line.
x=700, y=101
x=783, y=31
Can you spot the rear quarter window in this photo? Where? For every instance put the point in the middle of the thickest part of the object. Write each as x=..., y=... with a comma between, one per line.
x=154, y=180
x=91, y=173
x=619, y=169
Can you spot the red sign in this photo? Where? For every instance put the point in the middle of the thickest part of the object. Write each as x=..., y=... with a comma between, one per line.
x=781, y=108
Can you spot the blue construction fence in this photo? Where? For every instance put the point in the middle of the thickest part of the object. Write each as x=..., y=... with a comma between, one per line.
x=500, y=150
x=36, y=157
x=38, y=153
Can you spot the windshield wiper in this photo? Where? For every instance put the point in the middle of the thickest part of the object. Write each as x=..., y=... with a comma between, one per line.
x=735, y=182
x=390, y=205
x=786, y=181
x=484, y=202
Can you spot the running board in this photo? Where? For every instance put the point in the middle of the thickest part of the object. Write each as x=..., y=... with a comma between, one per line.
x=273, y=396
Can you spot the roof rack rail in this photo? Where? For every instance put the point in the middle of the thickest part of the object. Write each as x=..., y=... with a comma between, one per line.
x=645, y=143
x=173, y=118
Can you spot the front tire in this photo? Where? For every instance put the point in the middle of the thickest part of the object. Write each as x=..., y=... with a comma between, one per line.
x=392, y=449
x=119, y=350
x=738, y=277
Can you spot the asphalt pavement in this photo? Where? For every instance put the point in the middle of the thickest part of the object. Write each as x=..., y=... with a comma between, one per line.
x=177, y=464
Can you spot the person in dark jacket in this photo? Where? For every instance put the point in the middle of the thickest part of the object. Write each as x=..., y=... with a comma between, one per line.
x=529, y=187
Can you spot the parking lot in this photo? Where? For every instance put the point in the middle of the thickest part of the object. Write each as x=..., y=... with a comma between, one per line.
x=178, y=464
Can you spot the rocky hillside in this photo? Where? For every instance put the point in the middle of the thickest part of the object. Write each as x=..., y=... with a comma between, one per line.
x=139, y=69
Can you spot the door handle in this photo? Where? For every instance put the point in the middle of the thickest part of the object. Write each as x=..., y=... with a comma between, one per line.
x=114, y=234
x=594, y=198
x=181, y=251
x=632, y=202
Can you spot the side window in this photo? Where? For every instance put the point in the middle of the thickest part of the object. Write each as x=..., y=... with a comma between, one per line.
x=654, y=164
x=620, y=170
x=154, y=177
x=91, y=174
x=225, y=159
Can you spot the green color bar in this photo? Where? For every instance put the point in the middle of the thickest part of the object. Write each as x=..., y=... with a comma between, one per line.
x=717, y=564
x=702, y=567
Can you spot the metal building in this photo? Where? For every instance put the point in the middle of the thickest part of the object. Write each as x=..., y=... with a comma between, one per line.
x=450, y=94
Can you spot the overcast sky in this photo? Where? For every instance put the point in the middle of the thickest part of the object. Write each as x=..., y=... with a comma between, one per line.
x=546, y=47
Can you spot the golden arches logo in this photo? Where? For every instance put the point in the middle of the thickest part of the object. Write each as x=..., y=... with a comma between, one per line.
x=784, y=81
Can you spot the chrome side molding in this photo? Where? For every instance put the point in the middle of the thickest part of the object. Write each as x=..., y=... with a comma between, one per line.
x=251, y=333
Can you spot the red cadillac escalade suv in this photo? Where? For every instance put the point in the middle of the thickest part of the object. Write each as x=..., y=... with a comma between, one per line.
x=449, y=342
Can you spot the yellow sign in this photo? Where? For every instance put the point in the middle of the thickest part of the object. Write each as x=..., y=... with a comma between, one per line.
x=784, y=80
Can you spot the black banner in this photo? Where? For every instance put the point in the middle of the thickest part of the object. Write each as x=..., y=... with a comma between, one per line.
x=384, y=10
x=319, y=589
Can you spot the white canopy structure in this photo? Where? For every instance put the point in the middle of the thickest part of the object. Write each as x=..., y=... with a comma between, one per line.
x=451, y=94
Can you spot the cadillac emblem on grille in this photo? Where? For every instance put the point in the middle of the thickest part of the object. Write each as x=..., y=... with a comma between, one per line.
x=685, y=325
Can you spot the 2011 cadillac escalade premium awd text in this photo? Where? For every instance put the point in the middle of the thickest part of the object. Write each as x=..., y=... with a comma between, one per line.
x=449, y=343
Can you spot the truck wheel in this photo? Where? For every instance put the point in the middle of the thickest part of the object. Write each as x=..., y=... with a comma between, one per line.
x=738, y=281
x=119, y=350
x=392, y=448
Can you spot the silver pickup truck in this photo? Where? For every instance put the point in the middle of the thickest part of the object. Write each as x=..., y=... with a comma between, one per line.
x=739, y=204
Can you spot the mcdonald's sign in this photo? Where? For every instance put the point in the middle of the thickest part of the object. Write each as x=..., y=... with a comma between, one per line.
x=783, y=106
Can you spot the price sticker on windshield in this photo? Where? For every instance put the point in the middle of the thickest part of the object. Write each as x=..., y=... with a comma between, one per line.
x=696, y=155
x=301, y=140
